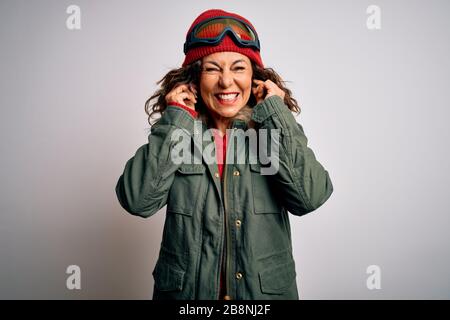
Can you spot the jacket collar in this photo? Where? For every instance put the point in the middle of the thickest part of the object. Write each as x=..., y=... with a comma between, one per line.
x=242, y=120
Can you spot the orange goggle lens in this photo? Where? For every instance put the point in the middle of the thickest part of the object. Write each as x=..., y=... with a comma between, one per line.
x=214, y=28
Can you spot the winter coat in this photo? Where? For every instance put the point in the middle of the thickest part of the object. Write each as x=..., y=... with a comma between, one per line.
x=240, y=223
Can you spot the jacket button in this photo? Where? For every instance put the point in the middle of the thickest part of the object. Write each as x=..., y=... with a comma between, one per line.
x=238, y=275
x=217, y=175
x=236, y=173
x=238, y=223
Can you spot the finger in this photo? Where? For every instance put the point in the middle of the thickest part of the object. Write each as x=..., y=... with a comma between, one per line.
x=170, y=97
x=193, y=95
x=188, y=96
x=263, y=86
x=270, y=85
x=183, y=90
x=180, y=88
x=260, y=94
x=182, y=96
x=262, y=89
x=273, y=89
x=187, y=88
x=257, y=91
x=193, y=88
x=257, y=82
x=259, y=88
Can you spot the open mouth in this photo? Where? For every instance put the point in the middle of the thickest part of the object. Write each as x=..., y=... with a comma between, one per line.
x=228, y=98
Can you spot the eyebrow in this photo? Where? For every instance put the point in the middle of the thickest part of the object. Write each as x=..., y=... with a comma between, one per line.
x=215, y=63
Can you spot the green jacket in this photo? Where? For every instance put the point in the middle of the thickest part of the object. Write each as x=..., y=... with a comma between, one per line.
x=243, y=220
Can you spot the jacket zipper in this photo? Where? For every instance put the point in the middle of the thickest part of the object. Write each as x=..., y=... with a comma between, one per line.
x=227, y=233
x=227, y=227
x=227, y=236
x=223, y=266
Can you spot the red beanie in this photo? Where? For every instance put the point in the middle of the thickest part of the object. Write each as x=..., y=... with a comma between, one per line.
x=227, y=44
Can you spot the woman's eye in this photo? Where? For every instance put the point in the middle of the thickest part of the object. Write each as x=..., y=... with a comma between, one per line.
x=217, y=70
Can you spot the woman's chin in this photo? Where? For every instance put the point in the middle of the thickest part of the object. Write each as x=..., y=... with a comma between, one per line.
x=228, y=112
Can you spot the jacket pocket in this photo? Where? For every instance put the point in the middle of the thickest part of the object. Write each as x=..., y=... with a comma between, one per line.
x=264, y=199
x=168, y=277
x=278, y=279
x=186, y=189
x=169, y=270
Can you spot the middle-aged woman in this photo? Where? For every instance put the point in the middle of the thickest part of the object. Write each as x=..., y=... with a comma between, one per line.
x=227, y=233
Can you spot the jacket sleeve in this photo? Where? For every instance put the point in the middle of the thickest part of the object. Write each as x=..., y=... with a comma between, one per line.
x=302, y=183
x=143, y=187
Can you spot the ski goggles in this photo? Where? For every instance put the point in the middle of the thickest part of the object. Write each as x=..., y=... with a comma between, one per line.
x=211, y=32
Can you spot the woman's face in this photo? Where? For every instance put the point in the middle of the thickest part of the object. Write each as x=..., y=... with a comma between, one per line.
x=225, y=83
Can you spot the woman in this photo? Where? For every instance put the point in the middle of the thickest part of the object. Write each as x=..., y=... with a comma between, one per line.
x=227, y=233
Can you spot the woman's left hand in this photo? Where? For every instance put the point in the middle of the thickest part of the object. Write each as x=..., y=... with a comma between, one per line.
x=263, y=87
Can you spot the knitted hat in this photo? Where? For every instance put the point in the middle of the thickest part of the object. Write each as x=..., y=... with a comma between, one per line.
x=227, y=44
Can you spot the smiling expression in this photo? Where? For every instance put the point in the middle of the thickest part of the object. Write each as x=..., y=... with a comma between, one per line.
x=225, y=83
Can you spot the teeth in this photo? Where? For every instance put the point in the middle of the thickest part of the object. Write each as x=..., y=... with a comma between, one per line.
x=228, y=96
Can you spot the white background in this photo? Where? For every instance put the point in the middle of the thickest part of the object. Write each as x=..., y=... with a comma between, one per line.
x=375, y=108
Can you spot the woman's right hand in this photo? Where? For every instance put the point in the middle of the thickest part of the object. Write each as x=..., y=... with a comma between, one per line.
x=185, y=94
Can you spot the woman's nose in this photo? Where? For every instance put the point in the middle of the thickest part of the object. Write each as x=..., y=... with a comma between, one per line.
x=226, y=79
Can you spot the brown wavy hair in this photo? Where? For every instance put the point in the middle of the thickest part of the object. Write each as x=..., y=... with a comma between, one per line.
x=191, y=73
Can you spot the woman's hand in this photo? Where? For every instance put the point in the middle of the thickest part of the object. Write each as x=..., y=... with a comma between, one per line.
x=266, y=89
x=185, y=94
